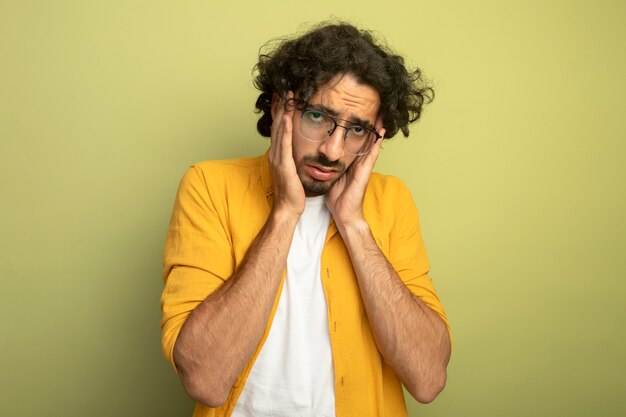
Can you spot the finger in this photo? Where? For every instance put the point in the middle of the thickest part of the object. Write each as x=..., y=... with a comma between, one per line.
x=276, y=117
x=287, y=129
x=288, y=102
x=277, y=131
x=369, y=159
x=286, y=138
x=275, y=145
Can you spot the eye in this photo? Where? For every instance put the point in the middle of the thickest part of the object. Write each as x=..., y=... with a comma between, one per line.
x=315, y=116
x=359, y=131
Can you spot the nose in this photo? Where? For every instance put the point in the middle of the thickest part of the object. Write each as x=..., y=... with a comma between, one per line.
x=332, y=146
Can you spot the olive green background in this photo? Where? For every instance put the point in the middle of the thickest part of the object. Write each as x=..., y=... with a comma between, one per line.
x=517, y=168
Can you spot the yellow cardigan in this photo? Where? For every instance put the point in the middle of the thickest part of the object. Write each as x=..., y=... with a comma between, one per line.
x=220, y=208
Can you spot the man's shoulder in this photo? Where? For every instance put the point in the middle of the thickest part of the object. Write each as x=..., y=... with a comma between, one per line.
x=387, y=200
x=388, y=185
x=225, y=175
x=229, y=165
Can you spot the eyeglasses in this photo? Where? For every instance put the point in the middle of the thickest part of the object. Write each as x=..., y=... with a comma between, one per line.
x=316, y=126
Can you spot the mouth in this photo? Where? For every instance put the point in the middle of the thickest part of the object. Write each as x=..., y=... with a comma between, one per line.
x=321, y=173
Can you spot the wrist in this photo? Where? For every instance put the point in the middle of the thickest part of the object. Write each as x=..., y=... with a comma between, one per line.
x=284, y=216
x=355, y=227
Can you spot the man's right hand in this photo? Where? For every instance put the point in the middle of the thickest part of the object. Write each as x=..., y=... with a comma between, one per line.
x=289, y=196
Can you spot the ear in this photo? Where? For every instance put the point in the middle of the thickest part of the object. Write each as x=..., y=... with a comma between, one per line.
x=276, y=101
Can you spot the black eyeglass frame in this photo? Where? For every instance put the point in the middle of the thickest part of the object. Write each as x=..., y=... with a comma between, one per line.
x=346, y=128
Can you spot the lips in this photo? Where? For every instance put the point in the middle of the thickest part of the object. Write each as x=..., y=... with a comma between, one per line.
x=321, y=173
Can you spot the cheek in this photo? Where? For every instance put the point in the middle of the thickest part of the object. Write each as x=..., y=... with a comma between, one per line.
x=348, y=161
x=301, y=147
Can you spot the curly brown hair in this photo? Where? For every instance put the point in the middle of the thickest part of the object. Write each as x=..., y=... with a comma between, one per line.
x=310, y=61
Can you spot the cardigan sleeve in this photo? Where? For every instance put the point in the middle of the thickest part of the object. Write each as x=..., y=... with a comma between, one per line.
x=197, y=256
x=407, y=252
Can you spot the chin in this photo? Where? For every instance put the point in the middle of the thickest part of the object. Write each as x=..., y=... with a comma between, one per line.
x=314, y=187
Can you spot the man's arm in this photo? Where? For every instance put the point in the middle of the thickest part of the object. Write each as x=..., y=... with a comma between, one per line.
x=411, y=337
x=220, y=335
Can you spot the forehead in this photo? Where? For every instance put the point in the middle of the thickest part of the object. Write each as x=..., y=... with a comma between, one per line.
x=348, y=98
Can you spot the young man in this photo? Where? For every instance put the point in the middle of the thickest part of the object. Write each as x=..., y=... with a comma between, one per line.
x=296, y=283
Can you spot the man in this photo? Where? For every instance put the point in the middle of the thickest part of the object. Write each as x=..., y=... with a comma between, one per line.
x=296, y=282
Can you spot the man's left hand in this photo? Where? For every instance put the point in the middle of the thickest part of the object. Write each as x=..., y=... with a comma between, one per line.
x=345, y=197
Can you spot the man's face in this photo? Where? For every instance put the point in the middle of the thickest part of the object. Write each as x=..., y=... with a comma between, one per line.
x=320, y=164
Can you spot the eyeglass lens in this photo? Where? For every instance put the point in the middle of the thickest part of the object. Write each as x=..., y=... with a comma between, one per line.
x=317, y=126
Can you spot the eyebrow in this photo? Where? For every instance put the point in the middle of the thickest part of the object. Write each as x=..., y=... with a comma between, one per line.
x=353, y=119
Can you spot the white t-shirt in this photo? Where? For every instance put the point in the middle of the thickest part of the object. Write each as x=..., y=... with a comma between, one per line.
x=293, y=374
